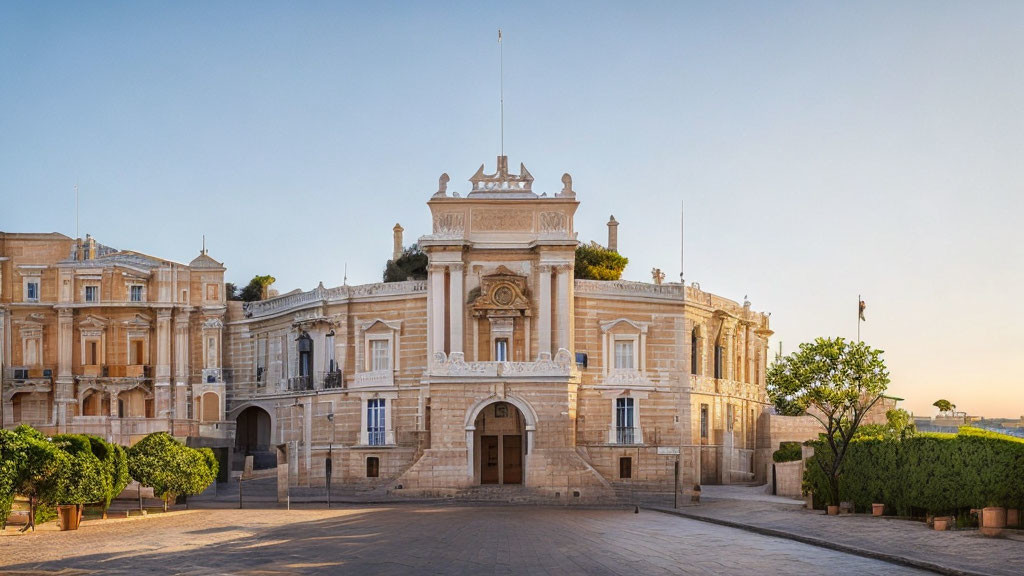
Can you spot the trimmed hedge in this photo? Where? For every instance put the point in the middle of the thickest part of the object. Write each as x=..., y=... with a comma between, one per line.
x=929, y=473
x=788, y=452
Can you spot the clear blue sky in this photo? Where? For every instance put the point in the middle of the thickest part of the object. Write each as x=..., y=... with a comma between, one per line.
x=824, y=150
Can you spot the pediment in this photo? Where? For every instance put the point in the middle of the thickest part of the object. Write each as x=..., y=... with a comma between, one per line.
x=138, y=321
x=93, y=322
x=640, y=327
x=379, y=323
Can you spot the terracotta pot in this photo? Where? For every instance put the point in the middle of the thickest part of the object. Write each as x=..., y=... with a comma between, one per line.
x=941, y=524
x=1013, y=517
x=993, y=520
x=833, y=510
x=877, y=509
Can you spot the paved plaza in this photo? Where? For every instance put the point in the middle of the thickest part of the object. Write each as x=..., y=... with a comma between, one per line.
x=420, y=539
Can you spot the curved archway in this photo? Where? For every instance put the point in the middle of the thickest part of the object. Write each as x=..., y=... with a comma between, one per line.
x=252, y=431
x=499, y=436
x=210, y=402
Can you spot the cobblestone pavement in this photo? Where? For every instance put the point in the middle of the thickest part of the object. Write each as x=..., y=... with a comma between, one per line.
x=417, y=539
x=961, y=551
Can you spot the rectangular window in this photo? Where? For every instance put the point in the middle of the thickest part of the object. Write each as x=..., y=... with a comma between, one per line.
x=624, y=420
x=91, y=353
x=501, y=350
x=624, y=355
x=380, y=355
x=703, y=420
x=719, y=359
x=136, y=293
x=32, y=291
x=92, y=293
x=625, y=467
x=372, y=467
x=693, y=353
x=375, y=422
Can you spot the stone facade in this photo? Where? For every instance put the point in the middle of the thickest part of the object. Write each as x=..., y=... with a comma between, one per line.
x=109, y=342
x=499, y=368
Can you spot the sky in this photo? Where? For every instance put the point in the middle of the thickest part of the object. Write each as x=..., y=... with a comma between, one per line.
x=823, y=150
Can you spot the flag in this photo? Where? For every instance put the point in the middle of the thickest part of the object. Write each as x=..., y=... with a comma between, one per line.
x=861, y=311
x=499, y=34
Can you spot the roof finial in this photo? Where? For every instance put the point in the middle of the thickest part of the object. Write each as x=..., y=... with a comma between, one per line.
x=203, y=251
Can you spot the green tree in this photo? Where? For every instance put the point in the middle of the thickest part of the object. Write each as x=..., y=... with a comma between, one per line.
x=411, y=264
x=944, y=406
x=836, y=382
x=257, y=289
x=87, y=481
x=231, y=291
x=169, y=467
x=898, y=425
x=595, y=262
x=44, y=473
x=13, y=460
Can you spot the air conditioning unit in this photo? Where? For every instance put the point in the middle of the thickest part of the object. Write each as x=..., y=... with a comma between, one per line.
x=47, y=373
x=581, y=359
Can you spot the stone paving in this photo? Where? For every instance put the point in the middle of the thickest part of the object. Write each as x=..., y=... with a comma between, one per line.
x=420, y=539
x=952, y=552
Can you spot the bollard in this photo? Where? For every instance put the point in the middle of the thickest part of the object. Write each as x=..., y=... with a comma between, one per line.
x=239, y=492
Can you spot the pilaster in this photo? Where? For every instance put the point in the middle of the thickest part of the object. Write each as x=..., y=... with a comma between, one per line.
x=437, y=299
x=64, y=388
x=181, y=364
x=455, y=305
x=544, y=315
x=162, y=371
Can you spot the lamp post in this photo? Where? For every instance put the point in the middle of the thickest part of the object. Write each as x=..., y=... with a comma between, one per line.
x=330, y=453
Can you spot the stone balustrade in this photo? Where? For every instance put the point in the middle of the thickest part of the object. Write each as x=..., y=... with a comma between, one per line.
x=322, y=295
x=562, y=365
x=373, y=379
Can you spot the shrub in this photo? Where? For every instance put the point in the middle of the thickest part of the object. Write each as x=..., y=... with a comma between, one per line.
x=932, y=473
x=170, y=467
x=788, y=452
x=595, y=262
x=411, y=264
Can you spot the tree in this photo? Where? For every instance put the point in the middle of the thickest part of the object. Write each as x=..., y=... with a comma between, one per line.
x=87, y=481
x=944, y=406
x=231, y=291
x=411, y=264
x=898, y=426
x=836, y=382
x=44, y=471
x=13, y=458
x=595, y=262
x=257, y=289
x=169, y=467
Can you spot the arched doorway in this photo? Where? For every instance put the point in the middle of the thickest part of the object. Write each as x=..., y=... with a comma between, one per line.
x=252, y=437
x=500, y=444
x=210, y=402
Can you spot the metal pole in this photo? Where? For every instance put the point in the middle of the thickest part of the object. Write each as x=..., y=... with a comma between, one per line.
x=675, y=493
x=239, y=492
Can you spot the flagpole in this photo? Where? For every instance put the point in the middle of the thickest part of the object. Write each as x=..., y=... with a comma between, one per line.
x=501, y=89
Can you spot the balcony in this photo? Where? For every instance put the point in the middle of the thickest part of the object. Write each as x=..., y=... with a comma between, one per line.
x=17, y=380
x=332, y=380
x=300, y=383
x=709, y=385
x=94, y=370
x=125, y=371
x=624, y=434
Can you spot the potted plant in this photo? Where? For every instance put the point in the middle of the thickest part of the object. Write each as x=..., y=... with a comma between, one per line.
x=1013, y=517
x=832, y=509
x=942, y=523
x=877, y=509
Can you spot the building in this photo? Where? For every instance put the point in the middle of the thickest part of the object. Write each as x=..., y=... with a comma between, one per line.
x=110, y=342
x=500, y=368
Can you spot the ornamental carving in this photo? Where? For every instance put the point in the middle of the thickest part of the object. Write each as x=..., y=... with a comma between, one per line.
x=501, y=220
x=553, y=222
x=449, y=224
x=502, y=293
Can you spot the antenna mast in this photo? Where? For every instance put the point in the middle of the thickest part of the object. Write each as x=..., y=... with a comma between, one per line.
x=501, y=90
x=77, y=234
x=682, y=242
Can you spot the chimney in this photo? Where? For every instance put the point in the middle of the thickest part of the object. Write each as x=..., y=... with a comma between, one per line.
x=613, y=234
x=398, y=242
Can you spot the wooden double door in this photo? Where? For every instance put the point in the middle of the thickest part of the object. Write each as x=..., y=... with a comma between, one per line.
x=501, y=459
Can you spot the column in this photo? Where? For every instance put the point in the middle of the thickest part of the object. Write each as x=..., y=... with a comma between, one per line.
x=456, y=303
x=64, y=390
x=544, y=319
x=3, y=348
x=162, y=369
x=181, y=365
x=727, y=338
x=562, y=307
x=436, y=272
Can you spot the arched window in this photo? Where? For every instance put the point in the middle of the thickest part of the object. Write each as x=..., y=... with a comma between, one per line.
x=693, y=351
